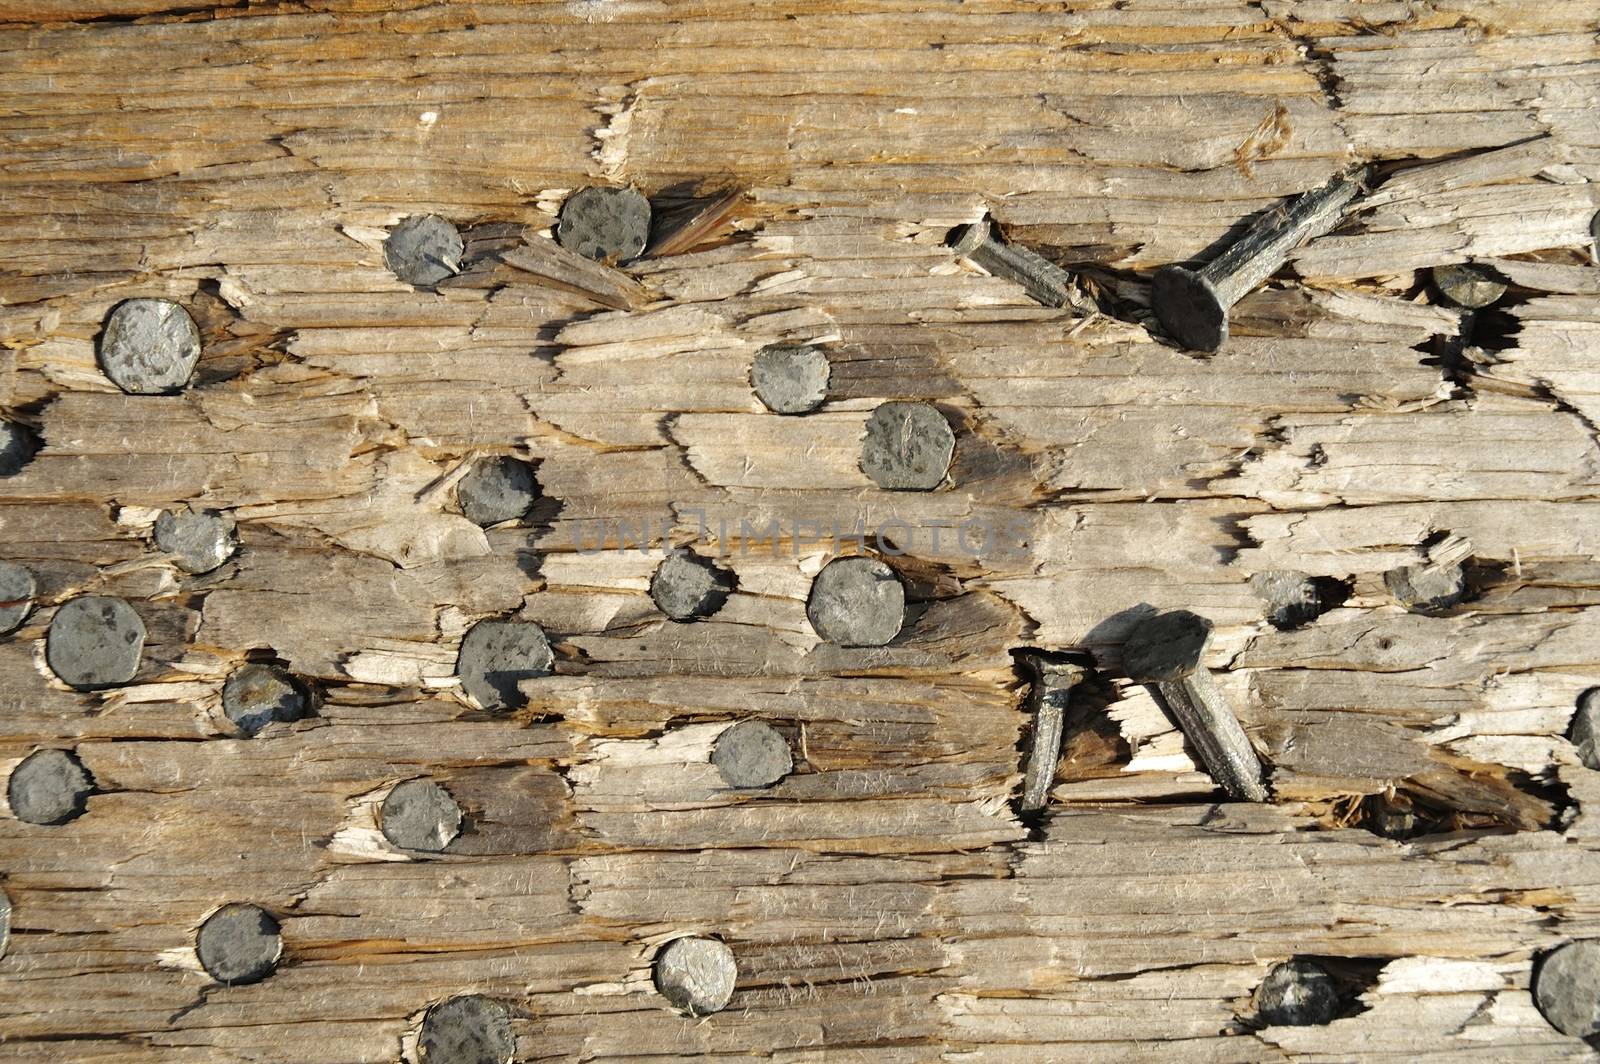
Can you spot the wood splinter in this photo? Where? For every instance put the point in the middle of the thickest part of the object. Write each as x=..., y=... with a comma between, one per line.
x=1053, y=682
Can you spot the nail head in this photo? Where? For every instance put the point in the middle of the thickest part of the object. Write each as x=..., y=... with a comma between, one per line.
x=495, y=655
x=965, y=239
x=1292, y=599
x=49, y=787
x=752, y=753
x=17, y=447
x=16, y=595
x=95, y=641
x=149, y=346
x=605, y=224
x=420, y=815
x=239, y=944
x=497, y=489
x=697, y=975
x=1585, y=729
x=1426, y=588
x=469, y=1029
x=199, y=541
x=1297, y=993
x=1468, y=284
x=1566, y=986
x=790, y=378
x=423, y=250
x=1165, y=648
x=857, y=602
x=255, y=696
x=1189, y=309
x=686, y=587
x=908, y=447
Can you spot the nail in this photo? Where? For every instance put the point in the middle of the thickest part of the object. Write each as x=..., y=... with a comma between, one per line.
x=605, y=224
x=497, y=489
x=1298, y=993
x=94, y=641
x=1165, y=651
x=149, y=346
x=686, y=587
x=18, y=445
x=49, y=787
x=1043, y=280
x=1439, y=583
x=790, y=378
x=1585, y=728
x=239, y=944
x=1563, y=985
x=1192, y=305
x=1053, y=682
x=908, y=447
x=696, y=974
x=423, y=250
x=468, y=1029
x=857, y=602
x=257, y=695
x=198, y=541
x=494, y=655
x=752, y=753
x=16, y=595
x=420, y=815
x=1467, y=284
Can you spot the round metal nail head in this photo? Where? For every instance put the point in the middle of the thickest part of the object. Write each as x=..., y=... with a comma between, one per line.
x=857, y=602
x=198, y=541
x=149, y=346
x=257, y=695
x=496, y=490
x=17, y=448
x=605, y=224
x=908, y=447
x=752, y=753
x=686, y=587
x=49, y=787
x=16, y=595
x=1567, y=988
x=469, y=1029
x=1165, y=648
x=495, y=655
x=1189, y=308
x=423, y=250
x=420, y=815
x=696, y=974
x=1427, y=588
x=1467, y=284
x=95, y=641
x=239, y=944
x=1297, y=993
x=790, y=378
x=1585, y=728
x=1292, y=599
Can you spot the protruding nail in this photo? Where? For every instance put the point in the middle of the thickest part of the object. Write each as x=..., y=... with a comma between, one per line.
x=423, y=250
x=497, y=489
x=256, y=695
x=1564, y=986
x=605, y=224
x=149, y=346
x=49, y=787
x=95, y=641
x=790, y=378
x=1053, y=682
x=1467, y=284
x=1165, y=651
x=696, y=974
x=469, y=1029
x=16, y=595
x=857, y=602
x=752, y=753
x=908, y=447
x=1043, y=280
x=687, y=587
x=239, y=944
x=198, y=541
x=420, y=815
x=1192, y=305
x=1298, y=993
x=495, y=655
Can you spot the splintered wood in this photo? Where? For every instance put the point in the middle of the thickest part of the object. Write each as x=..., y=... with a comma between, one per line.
x=1430, y=832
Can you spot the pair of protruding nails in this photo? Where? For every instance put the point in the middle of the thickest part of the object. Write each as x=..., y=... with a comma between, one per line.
x=1163, y=651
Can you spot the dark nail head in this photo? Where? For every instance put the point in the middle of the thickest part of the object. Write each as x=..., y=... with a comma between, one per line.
x=495, y=655
x=420, y=815
x=790, y=378
x=1585, y=729
x=496, y=490
x=857, y=602
x=49, y=787
x=1166, y=647
x=17, y=447
x=1292, y=599
x=1189, y=309
x=1467, y=284
x=95, y=641
x=423, y=250
x=752, y=753
x=239, y=944
x=1566, y=985
x=257, y=695
x=1427, y=588
x=16, y=595
x=149, y=346
x=466, y=1030
x=198, y=541
x=696, y=974
x=686, y=587
x=965, y=239
x=908, y=447
x=1297, y=993
x=605, y=224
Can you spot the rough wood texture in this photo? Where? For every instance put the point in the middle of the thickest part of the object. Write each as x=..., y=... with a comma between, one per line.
x=884, y=902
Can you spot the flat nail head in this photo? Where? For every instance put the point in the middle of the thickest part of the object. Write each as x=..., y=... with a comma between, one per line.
x=239, y=944
x=696, y=975
x=423, y=250
x=752, y=753
x=198, y=541
x=495, y=655
x=857, y=602
x=95, y=641
x=969, y=238
x=469, y=1029
x=1585, y=729
x=1298, y=993
x=255, y=696
x=149, y=346
x=1566, y=986
x=1189, y=309
x=1427, y=588
x=605, y=224
x=687, y=587
x=49, y=787
x=1292, y=599
x=17, y=447
x=497, y=489
x=16, y=595
x=908, y=447
x=420, y=815
x=790, y=378
x=1467, y=284
x=1166, y=648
